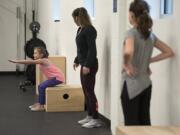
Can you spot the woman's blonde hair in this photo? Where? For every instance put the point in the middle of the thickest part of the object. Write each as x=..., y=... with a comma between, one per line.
x=83, y=15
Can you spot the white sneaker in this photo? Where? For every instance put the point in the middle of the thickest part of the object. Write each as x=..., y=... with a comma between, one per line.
x=94, y=123
x=85, y=120
x=34, y=105
x=37, y=109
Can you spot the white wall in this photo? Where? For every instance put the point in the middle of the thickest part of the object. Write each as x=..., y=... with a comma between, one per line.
x=154, y=8
x=11, y=47
x=60, y=39
x=7, y=16
x=165, y=98
x=47, y=32
x=102, y=23
x=119, y=24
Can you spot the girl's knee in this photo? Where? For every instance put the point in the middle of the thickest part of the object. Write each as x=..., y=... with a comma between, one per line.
x=41, y=88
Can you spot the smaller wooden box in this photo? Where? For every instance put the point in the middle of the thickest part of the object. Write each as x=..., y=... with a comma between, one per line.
x=148, y=130
x=64, y=98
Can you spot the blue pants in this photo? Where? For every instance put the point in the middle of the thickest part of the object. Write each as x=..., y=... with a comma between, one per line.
x=42, y=88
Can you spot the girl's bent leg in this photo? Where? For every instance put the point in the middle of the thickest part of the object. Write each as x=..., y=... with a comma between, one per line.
x=42, y=88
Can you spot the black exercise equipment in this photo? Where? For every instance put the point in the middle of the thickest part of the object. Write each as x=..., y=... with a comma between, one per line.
x=31, y=44
x=30, y=71
x=34, y=27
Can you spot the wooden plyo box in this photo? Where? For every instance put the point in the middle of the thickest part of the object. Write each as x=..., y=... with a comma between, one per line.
x=147, y=130
x=64, y=98
x=59, y=61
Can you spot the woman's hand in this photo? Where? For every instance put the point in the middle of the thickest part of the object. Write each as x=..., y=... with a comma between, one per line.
x=75, y=66
x=130, y=70
x=149, y=71
x=13, y=61
x=86, y=70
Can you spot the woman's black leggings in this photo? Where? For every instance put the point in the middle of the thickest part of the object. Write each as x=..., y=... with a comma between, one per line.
x=88, y=83
x=137, y=110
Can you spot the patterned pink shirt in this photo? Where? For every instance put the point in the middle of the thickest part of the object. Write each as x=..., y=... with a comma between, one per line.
x=51, y=71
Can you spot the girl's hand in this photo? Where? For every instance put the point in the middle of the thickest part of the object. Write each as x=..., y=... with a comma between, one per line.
x=130, y=70
x=75, y=66
x=13, y=61
x=86, y=70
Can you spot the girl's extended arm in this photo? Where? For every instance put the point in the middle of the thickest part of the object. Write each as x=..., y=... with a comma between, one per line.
x=166, y=51
x=38, y=61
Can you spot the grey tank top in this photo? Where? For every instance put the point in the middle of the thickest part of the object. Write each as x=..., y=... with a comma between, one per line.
x=142, y=54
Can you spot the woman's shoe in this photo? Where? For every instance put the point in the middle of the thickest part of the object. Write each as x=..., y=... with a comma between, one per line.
x=93, y=123
x=85, y=120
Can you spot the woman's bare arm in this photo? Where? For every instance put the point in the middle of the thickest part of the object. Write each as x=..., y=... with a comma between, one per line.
x=128, y=55
x=166, y=52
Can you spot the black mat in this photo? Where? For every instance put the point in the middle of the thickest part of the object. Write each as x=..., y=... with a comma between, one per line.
x=17, y=119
